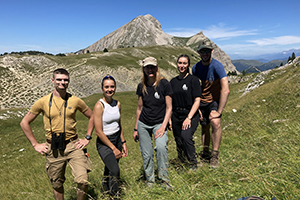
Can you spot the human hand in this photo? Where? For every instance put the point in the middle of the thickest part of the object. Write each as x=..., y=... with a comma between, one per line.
x=125, y=150
x=81, y=143
x=135, y=136
x=201, y=116
x=117, y=153
x=159, y=133
x=41, y=148
x=214, y=114
x=186, y=124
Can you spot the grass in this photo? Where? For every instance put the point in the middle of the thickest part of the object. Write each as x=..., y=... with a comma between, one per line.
x=259, y=153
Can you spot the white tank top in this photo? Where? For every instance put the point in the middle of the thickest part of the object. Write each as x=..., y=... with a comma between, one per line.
x=110, y=117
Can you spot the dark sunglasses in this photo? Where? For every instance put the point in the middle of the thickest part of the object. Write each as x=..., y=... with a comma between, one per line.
x=205, y=51
x=59, y=79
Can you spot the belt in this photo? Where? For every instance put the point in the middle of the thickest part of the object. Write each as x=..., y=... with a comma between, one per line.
x=67, y=141
x=181, y=109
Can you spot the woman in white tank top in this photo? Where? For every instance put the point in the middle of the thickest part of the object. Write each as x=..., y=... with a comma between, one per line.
x=111, y=144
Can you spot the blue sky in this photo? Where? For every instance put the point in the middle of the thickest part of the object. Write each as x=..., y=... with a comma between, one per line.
x=242, y=28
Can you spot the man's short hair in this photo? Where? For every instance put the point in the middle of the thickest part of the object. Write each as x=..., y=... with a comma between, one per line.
x=60, y=71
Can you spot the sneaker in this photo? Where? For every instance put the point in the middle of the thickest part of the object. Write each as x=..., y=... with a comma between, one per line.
x=193, y=167
x=149, y=184
x=167, y=186
x=214, y=161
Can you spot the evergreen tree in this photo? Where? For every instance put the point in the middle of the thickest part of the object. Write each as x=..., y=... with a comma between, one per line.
x=293, y=56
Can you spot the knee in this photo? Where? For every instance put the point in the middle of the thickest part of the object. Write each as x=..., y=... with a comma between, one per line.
x=57, y=185
x=82, y=179
x=215, y=124
x=115, y=171
x=161, y=147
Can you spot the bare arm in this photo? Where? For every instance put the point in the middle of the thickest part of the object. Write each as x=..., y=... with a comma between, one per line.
x=84, y=142
x=138, y=112
x=98, y=112
x=224, y=93
x=124, y=146
x=25, y=125
x=160, y=132
x=187, y=122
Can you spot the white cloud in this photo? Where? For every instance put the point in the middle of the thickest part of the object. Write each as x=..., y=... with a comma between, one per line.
x=222, y=32
x=282, y=40
x=183, y=32
x=213, y=32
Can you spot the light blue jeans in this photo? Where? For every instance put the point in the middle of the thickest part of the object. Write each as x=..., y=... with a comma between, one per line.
x=145, y=136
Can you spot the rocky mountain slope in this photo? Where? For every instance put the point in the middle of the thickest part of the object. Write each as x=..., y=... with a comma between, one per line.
x=147, y=31
x=24, y=79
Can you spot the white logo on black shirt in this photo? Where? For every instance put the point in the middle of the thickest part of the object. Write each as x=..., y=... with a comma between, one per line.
x=184, y=87
x=156, y=95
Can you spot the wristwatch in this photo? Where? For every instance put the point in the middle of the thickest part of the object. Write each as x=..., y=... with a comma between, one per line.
x=88, y=137
x=189, y=118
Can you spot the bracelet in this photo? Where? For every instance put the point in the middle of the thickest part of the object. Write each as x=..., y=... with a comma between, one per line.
x=123, y=142
x=135, y=129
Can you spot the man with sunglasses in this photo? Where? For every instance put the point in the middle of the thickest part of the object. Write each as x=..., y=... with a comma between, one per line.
x=62, y=145
x=215, y=92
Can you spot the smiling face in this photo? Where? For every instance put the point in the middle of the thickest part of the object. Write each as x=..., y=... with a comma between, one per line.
x=205, y=54
x=109, y=87
x=60, y=82
x=183, y=65
x=150, y=70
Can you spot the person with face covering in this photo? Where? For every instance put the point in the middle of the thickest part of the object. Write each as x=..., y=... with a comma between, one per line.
x=110, y=140
x=152, y=117
x=215, y=92
x=185, y=116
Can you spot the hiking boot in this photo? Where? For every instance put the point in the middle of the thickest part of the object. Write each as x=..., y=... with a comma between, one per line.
x=167, y=186
x=214, y=161
x=205, y=156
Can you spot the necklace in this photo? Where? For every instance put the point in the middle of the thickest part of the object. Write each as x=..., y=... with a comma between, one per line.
x=59, y=109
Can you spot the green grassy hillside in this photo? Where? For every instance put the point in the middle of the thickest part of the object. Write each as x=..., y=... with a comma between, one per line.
x=259, y=153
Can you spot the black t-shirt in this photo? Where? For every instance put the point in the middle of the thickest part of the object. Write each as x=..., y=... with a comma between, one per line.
x=184, y=91
x=154, y=103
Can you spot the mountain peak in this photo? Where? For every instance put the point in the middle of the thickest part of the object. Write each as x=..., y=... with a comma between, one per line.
x=145, y=30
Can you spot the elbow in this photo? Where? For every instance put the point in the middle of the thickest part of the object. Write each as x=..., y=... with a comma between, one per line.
x=22, y=124
x=227, y=92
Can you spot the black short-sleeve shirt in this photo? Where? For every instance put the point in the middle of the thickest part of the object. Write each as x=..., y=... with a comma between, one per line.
x=154, y=102
x=185, y=90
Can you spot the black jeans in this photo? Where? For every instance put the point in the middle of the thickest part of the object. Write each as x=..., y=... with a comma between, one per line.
x=111, y=170
x=184, y=138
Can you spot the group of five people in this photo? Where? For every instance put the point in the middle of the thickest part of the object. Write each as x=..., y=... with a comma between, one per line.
x=178, y=105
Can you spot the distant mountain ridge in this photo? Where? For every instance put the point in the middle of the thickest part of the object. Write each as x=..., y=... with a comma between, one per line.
x=146, y=31
x=253, y=66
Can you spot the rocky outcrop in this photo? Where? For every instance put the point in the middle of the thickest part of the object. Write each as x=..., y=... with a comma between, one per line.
x=25, y=79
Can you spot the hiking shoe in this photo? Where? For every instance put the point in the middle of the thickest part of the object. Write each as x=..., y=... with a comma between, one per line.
x=193, y=167
x=149, y=184
x=167, y=186
x=205, y=156
x=214, y=161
